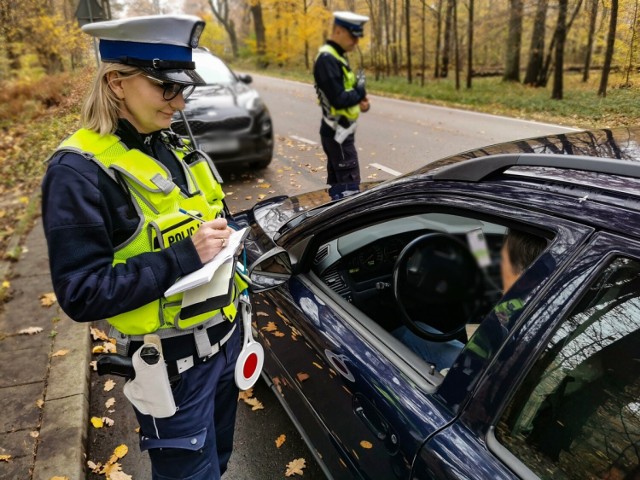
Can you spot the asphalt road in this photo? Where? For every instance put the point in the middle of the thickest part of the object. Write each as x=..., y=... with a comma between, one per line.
x=394, y=137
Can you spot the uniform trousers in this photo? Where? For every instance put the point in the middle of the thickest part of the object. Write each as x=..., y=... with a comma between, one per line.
x=196, y=442
x=343, y=169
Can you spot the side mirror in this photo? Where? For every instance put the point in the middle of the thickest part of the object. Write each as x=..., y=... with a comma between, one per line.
x=270, y=270
x=245, y=78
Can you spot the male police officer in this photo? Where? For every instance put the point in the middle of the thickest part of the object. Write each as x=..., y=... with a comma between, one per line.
x=342, y=96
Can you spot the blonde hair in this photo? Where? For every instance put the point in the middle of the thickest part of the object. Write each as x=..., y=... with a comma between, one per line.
x=101, y=108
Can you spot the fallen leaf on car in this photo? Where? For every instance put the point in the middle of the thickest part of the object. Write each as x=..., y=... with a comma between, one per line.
x=365, y=444
x=295, y=467
x=5, y=458
x=302, y=376
x=97, y=422
x=98, y=334
x=48, y=299
x=110, y=402
x=280, y=440
x=30, y=331
x=60, y=353
x=108, y=385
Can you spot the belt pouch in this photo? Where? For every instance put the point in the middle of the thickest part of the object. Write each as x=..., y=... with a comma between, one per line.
x=150, y=392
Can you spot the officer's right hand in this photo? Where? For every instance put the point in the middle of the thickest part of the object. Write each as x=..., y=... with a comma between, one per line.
x=208, y=240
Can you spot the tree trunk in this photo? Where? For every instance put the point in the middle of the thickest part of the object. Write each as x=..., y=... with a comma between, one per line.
x=220, y=9
x=436, y=69
x=514, y=41
x=608, y=55
x=423, y=42
x=261, y=39
x=448, y=40
x=536, y=50
x=470, y=45
x=556, y=94
x=632, y=43
x=456, y=46
x=407, y=15
x=593, y=14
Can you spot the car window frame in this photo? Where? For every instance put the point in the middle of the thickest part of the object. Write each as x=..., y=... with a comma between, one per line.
x=305, y=246
x=602, y=240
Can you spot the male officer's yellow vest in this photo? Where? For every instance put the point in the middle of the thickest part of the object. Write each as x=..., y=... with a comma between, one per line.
x=158, y=201
x=349, y=81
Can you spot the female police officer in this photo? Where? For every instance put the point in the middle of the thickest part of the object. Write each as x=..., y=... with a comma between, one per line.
x=114, y=198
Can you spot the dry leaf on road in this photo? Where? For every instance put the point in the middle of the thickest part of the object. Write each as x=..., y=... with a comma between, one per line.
x=98, y=334
x=30, y=331
x=302, y=376
x=57, y=477
x=121, y=450
x=108, y=385
x=119, y=475
x=60, y=353
x=5, y=458
x=110, y=402
x=365, y=444
x=97, y=422
x=280, y=440
x=48, y=299
x=295, y=467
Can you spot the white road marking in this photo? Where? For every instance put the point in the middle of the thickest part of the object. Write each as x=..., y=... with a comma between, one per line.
x=303, y=140
x=385, y=169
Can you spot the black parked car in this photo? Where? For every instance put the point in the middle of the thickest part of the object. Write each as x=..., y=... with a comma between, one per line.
x=545, y=377
x=227, y=117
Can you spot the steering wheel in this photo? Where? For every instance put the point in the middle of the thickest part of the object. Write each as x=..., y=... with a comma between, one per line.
x=437, y=275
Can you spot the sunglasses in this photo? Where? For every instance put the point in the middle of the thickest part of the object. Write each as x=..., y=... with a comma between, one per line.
x=172, y=90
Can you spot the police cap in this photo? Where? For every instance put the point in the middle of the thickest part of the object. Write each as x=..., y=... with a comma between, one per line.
x=160, y=45
x=351, y=21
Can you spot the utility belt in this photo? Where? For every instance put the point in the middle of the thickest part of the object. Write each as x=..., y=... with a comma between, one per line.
x=342, y=132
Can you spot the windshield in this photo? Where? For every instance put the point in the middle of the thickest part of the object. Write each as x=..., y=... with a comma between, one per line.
x=212, y=69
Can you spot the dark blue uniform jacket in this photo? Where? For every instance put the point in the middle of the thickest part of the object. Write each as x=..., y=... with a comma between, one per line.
x=86, y=214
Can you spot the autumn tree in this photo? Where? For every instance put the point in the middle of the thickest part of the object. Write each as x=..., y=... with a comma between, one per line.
x=221, y=10
x=514, y=41
x=608, y=55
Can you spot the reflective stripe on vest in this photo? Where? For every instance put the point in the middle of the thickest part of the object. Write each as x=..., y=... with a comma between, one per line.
x=157, y=200
x=349, y=81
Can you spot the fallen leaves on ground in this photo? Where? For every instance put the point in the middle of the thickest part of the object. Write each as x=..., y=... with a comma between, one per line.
x=112, y=469
x=60, y=353
x=48, y=299
x=57, y=477
x=280, y=440
x=30, y=331
x=295, y=467
x=247, y=397
x=365, y=444
x=97, y=422
x=302, y=376
x=5, y=458
x=98, y=334
x=106, y=347
x=110, y=402
x=108, y=385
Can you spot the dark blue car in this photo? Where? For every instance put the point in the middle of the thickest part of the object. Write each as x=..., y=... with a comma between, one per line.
x=390, y=341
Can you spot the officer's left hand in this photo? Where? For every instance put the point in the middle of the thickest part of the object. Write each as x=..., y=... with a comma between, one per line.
x=365, y=105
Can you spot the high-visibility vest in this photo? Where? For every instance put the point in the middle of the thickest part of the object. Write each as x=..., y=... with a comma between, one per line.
x=330, y=113
x=157, y=200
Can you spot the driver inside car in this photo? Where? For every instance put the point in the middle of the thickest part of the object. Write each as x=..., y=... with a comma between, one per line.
x=519, y=250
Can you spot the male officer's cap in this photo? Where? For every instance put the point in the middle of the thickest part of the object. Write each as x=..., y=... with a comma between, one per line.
x=351, y=21
x=160, y=45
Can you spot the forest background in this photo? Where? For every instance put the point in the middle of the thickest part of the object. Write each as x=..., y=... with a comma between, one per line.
x=572, y=62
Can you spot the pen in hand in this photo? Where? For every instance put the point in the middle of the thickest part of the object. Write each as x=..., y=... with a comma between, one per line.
x=182, y=210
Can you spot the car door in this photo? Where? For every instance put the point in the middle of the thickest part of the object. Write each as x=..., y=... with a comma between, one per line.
x=364, y=407
x=560, y=400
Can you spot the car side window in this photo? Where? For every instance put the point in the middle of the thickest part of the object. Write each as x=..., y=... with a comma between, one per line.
x=577, y=413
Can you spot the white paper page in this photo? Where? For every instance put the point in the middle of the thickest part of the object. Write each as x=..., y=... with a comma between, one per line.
x=219, y=285
x=205, y=274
